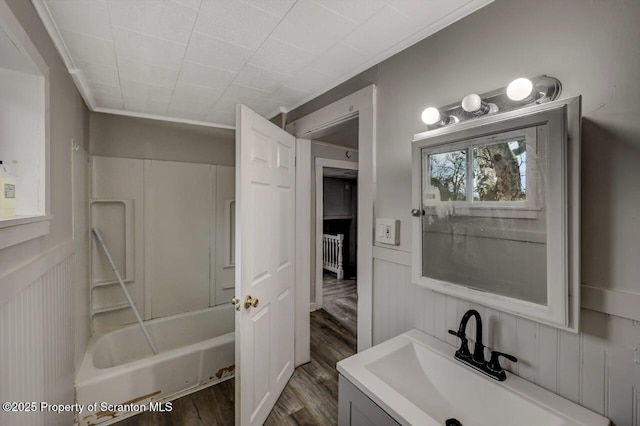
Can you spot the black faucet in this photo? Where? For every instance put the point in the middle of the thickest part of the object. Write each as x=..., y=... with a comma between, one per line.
x=463, y=353
x=476, y=360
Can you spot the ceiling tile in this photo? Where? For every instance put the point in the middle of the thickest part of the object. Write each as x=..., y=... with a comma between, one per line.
x=356, y=10
x=147, y=49
x=193, y=102
x=384, y=30
x=308, y=80
x=265, y=107
x=99, y=73
x=105, y=90
x=261, y=79
x=163, y=19
x=198, y=58
x=426, y=12
x=339, y=60
x=146, y=91
x=85, y=17
x=150, y=74
x=89, y=49
x=312, y=27
x=242, y=94
x=189, y=93
x=220, y=20
x=217, y=53
x=287, y=96
x=275, y=7
x=146, y=106
x=202, y=75
x=281, y=57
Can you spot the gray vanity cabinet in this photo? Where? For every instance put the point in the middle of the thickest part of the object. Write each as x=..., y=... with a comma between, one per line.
x=356, y=409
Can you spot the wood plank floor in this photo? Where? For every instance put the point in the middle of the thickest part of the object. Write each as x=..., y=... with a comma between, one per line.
x=339, y=299
x=310, y=397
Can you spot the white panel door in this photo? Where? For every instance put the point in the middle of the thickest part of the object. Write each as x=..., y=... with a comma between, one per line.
x=265, y=187
x=178, y=215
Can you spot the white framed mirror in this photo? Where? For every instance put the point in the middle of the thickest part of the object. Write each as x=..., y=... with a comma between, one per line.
x=496, y=211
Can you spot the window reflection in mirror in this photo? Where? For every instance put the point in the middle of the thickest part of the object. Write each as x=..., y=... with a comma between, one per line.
x=484, y=225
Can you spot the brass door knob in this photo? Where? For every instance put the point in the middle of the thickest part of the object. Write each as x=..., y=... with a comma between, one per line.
x=250, y=302
x=236, y=302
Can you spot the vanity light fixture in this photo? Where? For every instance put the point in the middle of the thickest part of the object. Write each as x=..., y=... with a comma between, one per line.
x=474, y=104
x=541, y=90
x=521, y=92
x=431, y=116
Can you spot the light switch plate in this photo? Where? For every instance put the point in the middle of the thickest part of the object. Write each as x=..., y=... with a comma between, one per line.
x=388, y=231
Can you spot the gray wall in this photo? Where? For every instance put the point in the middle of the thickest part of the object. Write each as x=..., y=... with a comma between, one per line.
x=50, y=373
x=131, y=137
x=592, y=47
x=69, y=118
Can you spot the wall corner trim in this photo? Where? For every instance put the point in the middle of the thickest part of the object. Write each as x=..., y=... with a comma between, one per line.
x=54, y=32
x=162, y=118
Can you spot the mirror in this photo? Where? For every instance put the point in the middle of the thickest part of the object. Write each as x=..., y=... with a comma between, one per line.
x=497, y=198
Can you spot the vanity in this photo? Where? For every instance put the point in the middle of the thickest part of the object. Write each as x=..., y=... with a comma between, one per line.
x=413, y=379
x=496, y=204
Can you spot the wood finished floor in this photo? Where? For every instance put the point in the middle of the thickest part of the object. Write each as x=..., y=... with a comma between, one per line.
x=310, y=397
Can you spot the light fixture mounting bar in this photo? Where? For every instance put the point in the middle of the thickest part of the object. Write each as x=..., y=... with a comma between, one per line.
x=545, y=89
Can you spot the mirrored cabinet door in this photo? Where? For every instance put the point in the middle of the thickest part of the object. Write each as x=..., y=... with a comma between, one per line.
x=494, y=221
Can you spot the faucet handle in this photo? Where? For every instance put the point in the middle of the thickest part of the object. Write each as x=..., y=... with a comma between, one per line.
x=494, y=362
x=463, y=352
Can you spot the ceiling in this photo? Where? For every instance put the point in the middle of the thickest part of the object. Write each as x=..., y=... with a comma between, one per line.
x=194, y=60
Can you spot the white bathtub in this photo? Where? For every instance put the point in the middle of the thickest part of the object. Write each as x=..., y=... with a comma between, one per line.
x=196, y=350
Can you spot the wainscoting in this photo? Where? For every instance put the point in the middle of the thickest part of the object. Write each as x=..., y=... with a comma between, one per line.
x=598, y=368
x=37, y=346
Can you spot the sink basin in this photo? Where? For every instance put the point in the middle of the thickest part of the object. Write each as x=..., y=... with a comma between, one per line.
x=415, y=379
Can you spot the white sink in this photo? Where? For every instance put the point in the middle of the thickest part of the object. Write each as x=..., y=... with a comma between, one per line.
x=415, y=379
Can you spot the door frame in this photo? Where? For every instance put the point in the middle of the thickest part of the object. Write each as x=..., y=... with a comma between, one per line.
x=321, y=163
x=361, y=104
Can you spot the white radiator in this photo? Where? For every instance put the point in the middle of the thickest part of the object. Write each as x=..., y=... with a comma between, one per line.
x=332, y=253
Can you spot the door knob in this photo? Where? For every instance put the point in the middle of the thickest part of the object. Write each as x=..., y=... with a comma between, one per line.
x=417, y=212
x=236, y=302
x=250, y=302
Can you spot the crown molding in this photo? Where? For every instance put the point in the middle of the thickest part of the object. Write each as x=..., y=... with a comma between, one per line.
x=162, y=118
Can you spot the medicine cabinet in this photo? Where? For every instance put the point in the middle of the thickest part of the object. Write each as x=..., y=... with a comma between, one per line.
x=496, y=211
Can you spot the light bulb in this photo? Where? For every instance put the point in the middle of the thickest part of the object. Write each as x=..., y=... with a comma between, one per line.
x=471, y=103
x=519, y=89
x=431, y=116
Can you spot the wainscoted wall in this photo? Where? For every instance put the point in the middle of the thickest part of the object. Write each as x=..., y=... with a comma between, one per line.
x=37, y=350
x=598, y=368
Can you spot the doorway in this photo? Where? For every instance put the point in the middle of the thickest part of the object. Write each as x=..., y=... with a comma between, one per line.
x=336, y=241
x=361, y=106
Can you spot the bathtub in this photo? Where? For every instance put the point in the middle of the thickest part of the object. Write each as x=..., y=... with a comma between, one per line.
x=196, y=350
